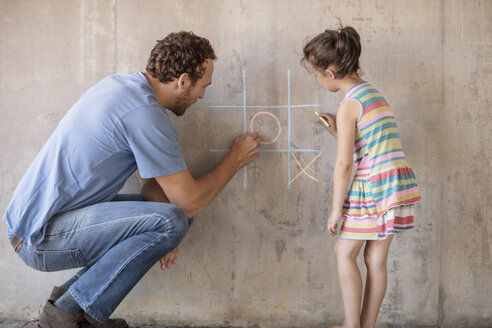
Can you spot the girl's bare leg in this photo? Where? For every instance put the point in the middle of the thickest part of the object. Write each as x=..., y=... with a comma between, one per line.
x=350, y=280
x=375, y=256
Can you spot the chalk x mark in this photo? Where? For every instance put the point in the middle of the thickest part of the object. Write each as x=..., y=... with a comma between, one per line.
x=303, y=169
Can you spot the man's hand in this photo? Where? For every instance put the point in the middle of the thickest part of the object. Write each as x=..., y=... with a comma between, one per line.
x=245, y=148
x=169, y=259
x=332, y=121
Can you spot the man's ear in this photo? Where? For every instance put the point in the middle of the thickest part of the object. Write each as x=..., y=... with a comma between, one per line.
x=183, y=80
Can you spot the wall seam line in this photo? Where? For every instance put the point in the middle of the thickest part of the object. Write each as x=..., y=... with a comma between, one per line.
x=115, y=37
x=441, y=297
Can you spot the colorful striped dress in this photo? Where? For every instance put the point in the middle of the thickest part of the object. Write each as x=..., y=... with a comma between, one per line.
x=384, y=190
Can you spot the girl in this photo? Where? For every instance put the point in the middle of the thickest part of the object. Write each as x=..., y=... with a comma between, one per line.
x=383, y=193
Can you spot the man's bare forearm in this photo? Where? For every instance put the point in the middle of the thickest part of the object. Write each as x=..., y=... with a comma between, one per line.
x=209, y=185
x=192, y=195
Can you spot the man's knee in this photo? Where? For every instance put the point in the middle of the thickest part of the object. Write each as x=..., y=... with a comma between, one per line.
x=175, y=227
x=177, y=220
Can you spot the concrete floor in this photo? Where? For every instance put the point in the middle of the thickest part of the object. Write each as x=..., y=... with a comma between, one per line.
x=9, y=323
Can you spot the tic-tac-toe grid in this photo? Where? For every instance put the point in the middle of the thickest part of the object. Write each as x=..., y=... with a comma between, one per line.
x=289, y=108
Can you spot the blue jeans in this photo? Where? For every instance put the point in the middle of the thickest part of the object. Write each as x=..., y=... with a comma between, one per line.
x=115, y=242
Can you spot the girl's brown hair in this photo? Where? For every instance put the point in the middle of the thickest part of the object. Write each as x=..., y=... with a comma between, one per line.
x=340, y=48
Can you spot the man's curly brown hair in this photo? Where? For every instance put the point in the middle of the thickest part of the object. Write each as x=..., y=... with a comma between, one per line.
x=178, y=53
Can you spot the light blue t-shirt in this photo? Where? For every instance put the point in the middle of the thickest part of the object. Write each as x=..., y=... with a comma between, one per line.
x=116, y=127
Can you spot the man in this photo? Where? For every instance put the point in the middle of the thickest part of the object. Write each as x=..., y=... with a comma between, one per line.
x=65, y=213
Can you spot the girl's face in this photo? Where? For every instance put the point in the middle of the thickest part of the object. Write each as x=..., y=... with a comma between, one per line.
x=326, y=79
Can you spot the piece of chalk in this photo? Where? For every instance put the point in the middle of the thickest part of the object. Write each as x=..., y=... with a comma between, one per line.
x=322, y=120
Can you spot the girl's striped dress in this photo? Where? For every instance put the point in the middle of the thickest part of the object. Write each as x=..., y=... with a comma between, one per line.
x=384, y=190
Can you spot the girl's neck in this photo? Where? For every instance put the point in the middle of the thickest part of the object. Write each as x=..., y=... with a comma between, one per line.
x=349, y=81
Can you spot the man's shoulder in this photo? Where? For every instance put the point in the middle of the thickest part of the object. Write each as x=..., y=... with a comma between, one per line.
x=135, y=82
x=120, y=93
x=116, y=101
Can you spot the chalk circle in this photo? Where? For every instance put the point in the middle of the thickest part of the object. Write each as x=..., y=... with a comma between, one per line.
x=278, y=123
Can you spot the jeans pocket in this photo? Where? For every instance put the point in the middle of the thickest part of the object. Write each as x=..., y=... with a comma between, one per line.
x=59, y=260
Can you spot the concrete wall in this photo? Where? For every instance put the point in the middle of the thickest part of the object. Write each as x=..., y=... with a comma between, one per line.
x=465, y=208
x=258, y=256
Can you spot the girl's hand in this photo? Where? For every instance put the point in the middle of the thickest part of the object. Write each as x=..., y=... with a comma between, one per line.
x=332, y=121
x=333, y=222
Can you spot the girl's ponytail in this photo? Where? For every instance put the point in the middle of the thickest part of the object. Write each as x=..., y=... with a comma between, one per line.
x=348, y=50
x=340, y=48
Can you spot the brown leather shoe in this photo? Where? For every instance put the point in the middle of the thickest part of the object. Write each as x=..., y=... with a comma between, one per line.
x=109, y=323
x=53, y=317
x=56, y=293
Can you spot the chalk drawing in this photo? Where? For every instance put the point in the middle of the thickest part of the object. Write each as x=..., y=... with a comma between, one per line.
x=303, y=169
x=278, y=123
x=289, y=150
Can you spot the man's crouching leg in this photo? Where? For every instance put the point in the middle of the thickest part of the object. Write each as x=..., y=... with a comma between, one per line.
x=107, y=281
